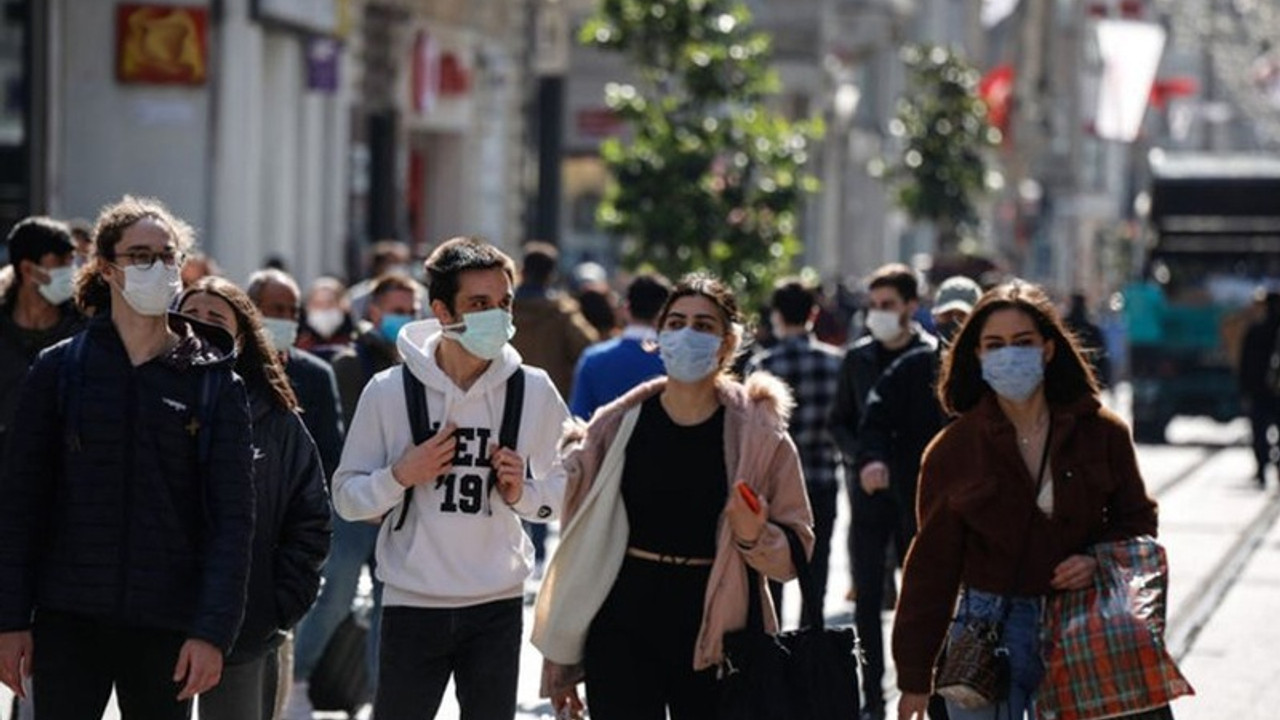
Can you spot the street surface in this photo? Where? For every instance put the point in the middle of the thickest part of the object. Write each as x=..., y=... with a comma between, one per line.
x=1223, y=541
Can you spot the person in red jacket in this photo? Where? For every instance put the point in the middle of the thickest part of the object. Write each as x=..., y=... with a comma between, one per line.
x=1012, y=494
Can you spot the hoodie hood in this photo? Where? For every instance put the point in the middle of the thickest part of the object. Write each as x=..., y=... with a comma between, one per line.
x=418, y=342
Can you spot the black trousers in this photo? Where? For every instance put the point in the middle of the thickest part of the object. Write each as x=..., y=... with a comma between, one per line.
x=823, y=499
x=78, y=660
x=877, y=523
x=1263, y=416
x=421, y=648
x=639, y=652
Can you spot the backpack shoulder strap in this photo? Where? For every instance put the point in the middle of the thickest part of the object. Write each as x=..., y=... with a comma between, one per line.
x=70, y=386
x=211, y=381
x=415, y=399
x=509, y=431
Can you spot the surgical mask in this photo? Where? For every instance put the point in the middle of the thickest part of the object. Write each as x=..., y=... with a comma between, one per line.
x=1014, y=372
x=151, y=291
x=689, y=355
x=485, y=332
x=885, y=325
x=59, y=289
x=282, y=333
x=325, y=321
x=947, y=331
x=391, y=323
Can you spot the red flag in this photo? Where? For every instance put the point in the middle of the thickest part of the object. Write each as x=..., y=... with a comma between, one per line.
x=996, y=90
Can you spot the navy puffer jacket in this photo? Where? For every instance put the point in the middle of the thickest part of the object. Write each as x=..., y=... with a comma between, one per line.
x=118, y=521
x=293, y=528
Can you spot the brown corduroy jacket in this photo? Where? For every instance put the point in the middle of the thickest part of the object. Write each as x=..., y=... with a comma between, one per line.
x=979, y=521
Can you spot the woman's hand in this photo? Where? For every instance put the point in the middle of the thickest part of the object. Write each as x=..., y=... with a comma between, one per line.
x=746, y=523
x=912, y=706
x=1074, y=573
x=567, y=704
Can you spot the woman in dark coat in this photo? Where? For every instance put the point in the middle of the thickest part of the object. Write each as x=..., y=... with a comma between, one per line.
x=291, y=536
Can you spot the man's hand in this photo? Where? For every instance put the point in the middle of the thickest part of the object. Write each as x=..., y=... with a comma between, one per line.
x=1074, y=573
x=509, y=467
x=200, y=666
x=874, y=477
x=747, y=524
x=423, y=463
x=15, y=660
x=912, y=706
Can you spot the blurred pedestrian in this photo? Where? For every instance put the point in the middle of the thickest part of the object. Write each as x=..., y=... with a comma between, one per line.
x=291, y=528
x=451, y=551
x=610, y=368
x=327, y=327
x=901, y=418
x=386, y=257
x=135, y=436
x=392, y=305
x=597, y=305
x=811, y=369
x=893, y=297
x=1257, y=389
x=642, y=606
x=1006, y=511
x=36, y=310
x=553, y=332
x=276, y=297
x=199, y=266
x=1090, y=337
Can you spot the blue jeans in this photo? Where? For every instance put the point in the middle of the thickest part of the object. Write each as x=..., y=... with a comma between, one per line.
x=350, y=550
x=1022, y=638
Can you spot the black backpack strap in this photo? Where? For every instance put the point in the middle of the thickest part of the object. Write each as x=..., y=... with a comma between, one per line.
x=509, y=431
x=415, y=399
x=210, y=391
x=70, y=387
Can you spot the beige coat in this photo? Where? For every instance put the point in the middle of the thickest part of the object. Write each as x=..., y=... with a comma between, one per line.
x=758, y=451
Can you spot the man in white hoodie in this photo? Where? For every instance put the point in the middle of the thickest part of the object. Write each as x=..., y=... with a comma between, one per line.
x=451, y=550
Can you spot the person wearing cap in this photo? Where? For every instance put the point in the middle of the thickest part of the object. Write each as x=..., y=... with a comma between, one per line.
x=902, y=415
x=36, y=311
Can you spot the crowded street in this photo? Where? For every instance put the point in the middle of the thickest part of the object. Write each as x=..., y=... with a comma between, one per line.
x=1223, y=539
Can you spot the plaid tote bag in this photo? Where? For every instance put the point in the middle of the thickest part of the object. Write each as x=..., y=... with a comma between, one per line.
x=1104, y=646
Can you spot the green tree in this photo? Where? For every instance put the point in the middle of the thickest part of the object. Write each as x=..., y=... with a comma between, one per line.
x=710, y=178
x=943, y=124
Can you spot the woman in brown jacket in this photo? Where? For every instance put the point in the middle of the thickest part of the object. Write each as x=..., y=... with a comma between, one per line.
x=1012, y=494
x=651, y=569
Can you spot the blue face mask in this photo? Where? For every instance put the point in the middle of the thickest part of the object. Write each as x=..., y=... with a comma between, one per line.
x=1014, y=372
x=485, y=333
x=689, y=355
x=391, y=323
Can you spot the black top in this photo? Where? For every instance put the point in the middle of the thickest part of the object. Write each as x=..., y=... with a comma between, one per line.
x=675, y=483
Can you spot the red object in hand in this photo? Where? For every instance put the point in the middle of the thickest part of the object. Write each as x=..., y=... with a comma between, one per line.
x=750, y=497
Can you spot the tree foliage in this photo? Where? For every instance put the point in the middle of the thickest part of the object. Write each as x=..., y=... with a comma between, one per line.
x=943, y=124
x=710, y=178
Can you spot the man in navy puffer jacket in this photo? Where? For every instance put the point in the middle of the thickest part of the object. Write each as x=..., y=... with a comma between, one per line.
x=124, y=548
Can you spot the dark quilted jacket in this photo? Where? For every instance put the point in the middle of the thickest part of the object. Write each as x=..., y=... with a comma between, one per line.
x=124, y=526
x=291, y=539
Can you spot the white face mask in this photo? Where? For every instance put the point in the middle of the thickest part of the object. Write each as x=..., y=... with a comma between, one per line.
x=885, y=325
x=325, y=321
x=150, y=292
x=281, y=333
x=59, y=289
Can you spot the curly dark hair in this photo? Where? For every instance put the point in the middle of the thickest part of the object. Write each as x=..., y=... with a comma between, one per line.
x=256, y=362
x=93, y=294
x=1067, y=376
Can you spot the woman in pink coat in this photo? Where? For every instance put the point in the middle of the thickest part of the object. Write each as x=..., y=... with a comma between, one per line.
x=651, y=571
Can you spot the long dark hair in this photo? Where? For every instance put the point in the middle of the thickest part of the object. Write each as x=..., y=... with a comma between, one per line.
x=257, y=362
x=93, y=294
x=1067, y=376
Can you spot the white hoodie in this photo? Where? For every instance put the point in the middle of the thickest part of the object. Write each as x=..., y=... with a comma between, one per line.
x=457, y=547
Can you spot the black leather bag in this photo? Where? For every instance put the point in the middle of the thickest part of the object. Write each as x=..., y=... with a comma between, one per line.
x=805, y=674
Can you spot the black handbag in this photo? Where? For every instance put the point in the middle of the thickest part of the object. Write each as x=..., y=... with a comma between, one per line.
x=805, y=674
